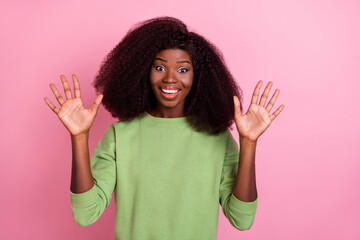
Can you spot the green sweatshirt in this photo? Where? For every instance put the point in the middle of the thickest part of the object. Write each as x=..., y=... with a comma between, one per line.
x=167, y=179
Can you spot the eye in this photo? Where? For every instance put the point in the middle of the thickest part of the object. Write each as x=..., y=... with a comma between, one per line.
x=160, y=68
x=183, y=70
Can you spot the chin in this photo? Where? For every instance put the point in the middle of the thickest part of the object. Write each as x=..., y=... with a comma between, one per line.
x=169, y=105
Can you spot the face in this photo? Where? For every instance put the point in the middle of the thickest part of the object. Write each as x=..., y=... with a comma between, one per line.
x=171, y=78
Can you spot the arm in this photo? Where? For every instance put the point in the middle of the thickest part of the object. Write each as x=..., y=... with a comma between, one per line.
x=78, y=122
x=250, y=127
x=81, y=177
x=241, y=214
x=245, y=185
x=84, y=189
x=240, y=205
x=89, y=205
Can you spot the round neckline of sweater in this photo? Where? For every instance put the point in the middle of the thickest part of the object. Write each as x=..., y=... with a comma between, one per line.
x=165, y=120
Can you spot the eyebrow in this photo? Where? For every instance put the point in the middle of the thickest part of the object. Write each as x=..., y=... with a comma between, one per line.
x=163, y=60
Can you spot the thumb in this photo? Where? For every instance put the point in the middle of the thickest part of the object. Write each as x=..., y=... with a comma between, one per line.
x=237, y=110
x=96, y=103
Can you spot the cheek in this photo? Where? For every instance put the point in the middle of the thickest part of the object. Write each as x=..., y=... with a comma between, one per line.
x=189, y=81
x=152, y=77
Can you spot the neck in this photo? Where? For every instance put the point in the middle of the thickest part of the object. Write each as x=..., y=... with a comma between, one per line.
x=167, y=112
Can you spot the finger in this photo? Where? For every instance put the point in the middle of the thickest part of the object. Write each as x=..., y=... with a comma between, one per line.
x=272, y=100
x=66, y=87
x=96, y=103
x=76, y=86
x=255, y=95
x=276, y=113
x=265, y=94
x=237, y=109
x=51, y=105
x=57, y=94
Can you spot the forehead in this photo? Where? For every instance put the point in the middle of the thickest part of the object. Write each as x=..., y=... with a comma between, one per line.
x=174, y=54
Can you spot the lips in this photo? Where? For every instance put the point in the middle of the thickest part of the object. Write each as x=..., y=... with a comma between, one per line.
x=169, y=93
x=169, y=90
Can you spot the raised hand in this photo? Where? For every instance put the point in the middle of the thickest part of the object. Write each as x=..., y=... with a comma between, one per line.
x=72, y=113
x=257, y=119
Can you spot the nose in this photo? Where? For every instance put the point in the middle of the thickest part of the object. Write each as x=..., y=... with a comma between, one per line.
x=170, y=77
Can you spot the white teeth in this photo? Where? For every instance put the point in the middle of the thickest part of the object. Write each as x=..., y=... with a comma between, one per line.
x=169, y=91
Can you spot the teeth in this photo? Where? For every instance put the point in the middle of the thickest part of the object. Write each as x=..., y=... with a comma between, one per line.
x=169, y=91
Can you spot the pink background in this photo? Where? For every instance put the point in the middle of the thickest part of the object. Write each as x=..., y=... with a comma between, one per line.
x=307, y=161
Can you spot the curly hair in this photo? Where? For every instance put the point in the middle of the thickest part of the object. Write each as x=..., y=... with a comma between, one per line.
x=124, y=75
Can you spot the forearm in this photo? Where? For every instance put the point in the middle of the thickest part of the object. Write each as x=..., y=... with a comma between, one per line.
x=245, y=184
x=81, y=176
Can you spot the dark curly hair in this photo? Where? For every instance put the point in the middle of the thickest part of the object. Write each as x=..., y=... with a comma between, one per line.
x=124, y=75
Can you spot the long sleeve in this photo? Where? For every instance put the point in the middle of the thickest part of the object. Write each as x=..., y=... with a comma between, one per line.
x=88, y=206
x=239, y=213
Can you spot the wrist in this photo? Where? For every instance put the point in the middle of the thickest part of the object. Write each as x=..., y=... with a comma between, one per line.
x=80, y=136
x=247, y=140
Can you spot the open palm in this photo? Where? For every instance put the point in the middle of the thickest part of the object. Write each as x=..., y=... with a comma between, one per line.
x=257, y=119
x=75, y=117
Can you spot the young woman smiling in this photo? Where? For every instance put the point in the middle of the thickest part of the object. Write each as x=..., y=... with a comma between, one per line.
x=171, y=78
x=170, y=159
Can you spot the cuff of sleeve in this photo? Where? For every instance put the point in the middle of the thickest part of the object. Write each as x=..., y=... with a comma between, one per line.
x=241, y=206
x=85, y=198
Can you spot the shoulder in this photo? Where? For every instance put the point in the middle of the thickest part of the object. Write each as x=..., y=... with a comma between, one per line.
x=219, y=141
x=124, y=127
x=127, y=123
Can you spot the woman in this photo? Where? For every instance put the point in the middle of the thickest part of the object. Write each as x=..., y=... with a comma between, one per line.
x=170, y=159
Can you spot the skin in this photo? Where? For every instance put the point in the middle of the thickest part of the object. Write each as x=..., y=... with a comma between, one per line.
x=172, y=68
x=166, y=71
x=250, y=127
x=78, y=121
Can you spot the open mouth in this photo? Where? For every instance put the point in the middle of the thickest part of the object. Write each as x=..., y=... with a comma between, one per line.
x=170, y=93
